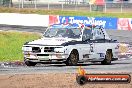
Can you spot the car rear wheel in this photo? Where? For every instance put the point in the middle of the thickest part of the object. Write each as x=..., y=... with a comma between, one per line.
x=73, y=58
x=108, y=58
x=28, y=63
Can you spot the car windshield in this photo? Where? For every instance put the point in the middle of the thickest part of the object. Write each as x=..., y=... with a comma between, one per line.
x=63, y=32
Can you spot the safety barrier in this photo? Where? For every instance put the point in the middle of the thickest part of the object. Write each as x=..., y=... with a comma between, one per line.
x=24, y=19
x=46, y=20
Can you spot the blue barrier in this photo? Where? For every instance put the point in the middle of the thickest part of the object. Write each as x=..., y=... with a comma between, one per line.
x=106, y=22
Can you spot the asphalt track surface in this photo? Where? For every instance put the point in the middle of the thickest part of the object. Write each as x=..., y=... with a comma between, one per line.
x=120, y=66
x=123, y=65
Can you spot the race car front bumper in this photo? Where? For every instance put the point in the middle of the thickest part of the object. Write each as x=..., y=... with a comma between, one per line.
x=46, y=58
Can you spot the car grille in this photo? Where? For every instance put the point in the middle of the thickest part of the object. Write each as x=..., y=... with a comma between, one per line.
x=42, y=54
x=36, y=49
x=49, y=49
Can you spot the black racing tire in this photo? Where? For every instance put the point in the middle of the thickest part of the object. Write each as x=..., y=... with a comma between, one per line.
x=108, y=58
x=73, y=58
x=28, y=63
x=81, y=80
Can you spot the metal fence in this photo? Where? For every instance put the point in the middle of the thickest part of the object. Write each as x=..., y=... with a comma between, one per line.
x=110, y=6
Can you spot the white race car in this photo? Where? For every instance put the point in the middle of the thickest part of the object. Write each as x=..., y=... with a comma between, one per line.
x=71, y=44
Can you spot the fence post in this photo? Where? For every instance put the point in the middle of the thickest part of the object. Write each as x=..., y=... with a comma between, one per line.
x=105, y=7
x=62, y=7
x=10, y=3
x=35, y=3
x=48, y=5
x=75, y=6
x=22, y=3
x=19, y=4
x=90, y=7
x=121, y=6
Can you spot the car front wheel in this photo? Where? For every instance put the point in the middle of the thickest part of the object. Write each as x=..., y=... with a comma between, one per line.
x=108, y=58
x=73, y=58
x=28, y=63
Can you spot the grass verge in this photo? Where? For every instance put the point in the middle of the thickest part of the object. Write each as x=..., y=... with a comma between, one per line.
x=11, y=44
x=65, y=13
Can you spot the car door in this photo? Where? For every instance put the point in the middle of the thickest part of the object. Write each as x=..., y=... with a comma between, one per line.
x=99, y=44
x=86, y=46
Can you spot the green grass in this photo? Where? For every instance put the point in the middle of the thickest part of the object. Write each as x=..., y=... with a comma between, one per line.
x=65, y=13
x=11, y=44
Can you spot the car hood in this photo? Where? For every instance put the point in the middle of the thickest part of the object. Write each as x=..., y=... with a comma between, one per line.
x=50, y=41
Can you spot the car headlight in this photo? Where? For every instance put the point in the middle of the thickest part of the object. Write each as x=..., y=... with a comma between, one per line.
x=59, y=50
x=27, y=48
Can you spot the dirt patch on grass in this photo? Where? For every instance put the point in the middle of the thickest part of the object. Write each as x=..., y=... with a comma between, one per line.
x=49, y=80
